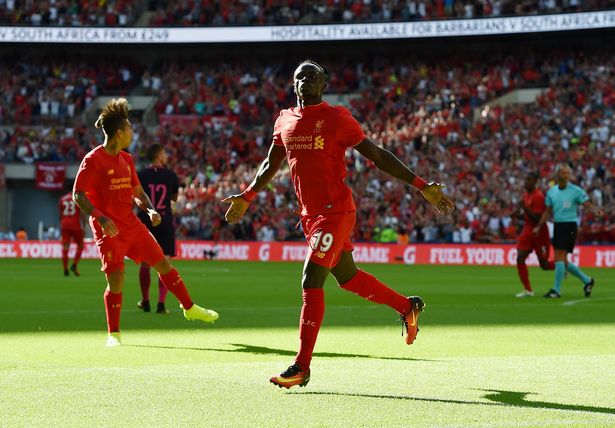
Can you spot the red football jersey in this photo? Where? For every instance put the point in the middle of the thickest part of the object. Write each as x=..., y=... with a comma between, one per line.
x=108, y=182
x=535, y=201
x=316, y=139
x=70, y=215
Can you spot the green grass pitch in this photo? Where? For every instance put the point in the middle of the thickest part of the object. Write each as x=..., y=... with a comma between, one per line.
x=482, y=358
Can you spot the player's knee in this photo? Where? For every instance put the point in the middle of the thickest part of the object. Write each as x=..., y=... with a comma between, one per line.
x=342, y=276
x=520, y=259
x=163, y=266
x=115, y=280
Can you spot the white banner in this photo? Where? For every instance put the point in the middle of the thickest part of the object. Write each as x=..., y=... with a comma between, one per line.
x=391, y=30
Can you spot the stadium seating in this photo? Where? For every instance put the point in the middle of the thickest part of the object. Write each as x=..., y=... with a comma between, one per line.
x=255, y=12
x=110, y=13
x=423, y=112
x=186, y=13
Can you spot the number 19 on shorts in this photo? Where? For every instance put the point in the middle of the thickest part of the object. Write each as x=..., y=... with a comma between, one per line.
x=321, y=241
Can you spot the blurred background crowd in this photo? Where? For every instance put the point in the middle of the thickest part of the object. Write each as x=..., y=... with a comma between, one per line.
x=123, y=13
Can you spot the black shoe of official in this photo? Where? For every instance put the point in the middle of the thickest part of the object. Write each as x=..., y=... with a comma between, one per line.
x=587, y=288
x=144, y=305
x=161, y=309
x=65, y=272
x=552, y=294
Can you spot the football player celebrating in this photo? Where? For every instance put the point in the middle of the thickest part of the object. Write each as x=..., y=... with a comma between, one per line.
x=105, y=188
x=313, y=137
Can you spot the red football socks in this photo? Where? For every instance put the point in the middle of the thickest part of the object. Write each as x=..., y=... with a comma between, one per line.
x=175, y=285
x=524, y=275
x=144, y=281
x=77, y=255
x=65, y=258
x=368, y=287
x=113, y=307
x=162, y=291
x=312, y=313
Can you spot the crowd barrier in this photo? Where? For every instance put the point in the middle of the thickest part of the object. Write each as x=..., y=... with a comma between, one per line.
x=420, y=254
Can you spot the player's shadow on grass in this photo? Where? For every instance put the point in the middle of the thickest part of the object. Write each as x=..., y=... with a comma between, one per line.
x=513, y=398
x=497, y=398
x=262, y=350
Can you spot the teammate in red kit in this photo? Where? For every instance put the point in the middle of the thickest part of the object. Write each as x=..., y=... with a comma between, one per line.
x=533, y=205
x=313, y=137
x=106, y=188
x=71, y=229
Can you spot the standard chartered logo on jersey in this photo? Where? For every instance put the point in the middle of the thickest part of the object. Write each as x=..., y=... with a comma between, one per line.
x=304, y=142
x=120, y=183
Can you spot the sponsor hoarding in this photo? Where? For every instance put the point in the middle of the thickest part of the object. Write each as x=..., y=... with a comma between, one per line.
x=331, y=32
x=414, y=254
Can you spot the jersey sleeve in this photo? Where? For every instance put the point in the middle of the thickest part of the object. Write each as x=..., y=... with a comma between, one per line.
x=86, y=175
x=549, y=199
x=539, y=203
x=349, y=131
x=277, y=132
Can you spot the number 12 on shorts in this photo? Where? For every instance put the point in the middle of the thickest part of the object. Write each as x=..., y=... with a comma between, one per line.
x=320, y=241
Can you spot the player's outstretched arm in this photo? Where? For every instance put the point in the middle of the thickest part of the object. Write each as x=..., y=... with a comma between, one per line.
x=266, y=172
x=389, y=163
x=109, y=228
x=144, y=203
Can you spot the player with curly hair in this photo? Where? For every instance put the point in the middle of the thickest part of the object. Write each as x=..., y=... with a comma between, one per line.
x=106, y=188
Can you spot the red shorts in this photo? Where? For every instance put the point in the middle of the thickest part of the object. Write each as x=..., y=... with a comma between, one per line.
x=137, y=244
x=76, y=235
x=328, y=235
x=540, y=243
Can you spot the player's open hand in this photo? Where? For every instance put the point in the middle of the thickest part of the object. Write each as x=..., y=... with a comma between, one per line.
x=154, y=217
x=432, y=192
x=109, y=228
x=238, y=208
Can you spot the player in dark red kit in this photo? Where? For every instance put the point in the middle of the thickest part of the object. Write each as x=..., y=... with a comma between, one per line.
x=106, y=188
x=161, y=185
x=313, y=137
x=71, y=229
x=533, y=205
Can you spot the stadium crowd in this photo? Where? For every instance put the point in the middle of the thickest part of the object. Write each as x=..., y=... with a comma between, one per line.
x=220, y=119
x=124, y=13
x=280, y=12
x=41, y=91
x=65, y=13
